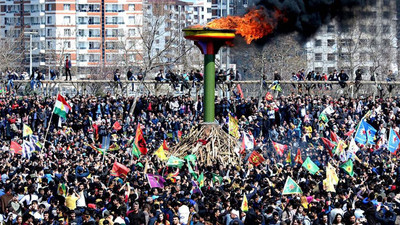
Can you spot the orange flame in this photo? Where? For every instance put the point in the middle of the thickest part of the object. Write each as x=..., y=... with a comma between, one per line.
x=254, y=25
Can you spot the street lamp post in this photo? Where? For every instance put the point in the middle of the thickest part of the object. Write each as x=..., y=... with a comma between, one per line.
x=30, y=50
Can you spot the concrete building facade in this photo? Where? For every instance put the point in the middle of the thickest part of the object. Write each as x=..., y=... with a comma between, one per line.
x=90, y=32
x=368, y=42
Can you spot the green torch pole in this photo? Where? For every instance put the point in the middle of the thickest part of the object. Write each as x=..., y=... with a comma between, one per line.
x=209, y=88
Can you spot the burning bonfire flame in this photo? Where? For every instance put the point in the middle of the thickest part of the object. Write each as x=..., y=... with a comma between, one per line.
x=254, y=25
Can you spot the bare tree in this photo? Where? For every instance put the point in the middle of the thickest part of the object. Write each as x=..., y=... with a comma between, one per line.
x=161, y=25
x=283, y=54
x=12, y=52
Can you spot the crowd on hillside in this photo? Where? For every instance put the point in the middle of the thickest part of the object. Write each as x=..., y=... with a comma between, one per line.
x=67, y=181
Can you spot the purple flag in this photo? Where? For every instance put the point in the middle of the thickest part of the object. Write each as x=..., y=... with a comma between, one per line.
x=196, y=188
x=155, y=181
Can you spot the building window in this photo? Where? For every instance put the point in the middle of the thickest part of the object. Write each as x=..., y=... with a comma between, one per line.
x=94, y=45
x=331, y=28
x=318, y=69
x=132, y=20
x=67, y=32
x=344, y=56
x=67, y=7
x=331, y=57
x=208, y=10
x=67, y=20
x=346, y=42
x=331, y=42
x=318, y=56
x=49, y=20
x=372, y=29
x=386, y=14
x=82, y=45
x=94, y=32
x=363, y=28
x=49, y=33
x=386, y=42
x=81, y=58
x=67, y=44
x=81, y=33
x=386, y=29
x=331, y=69
x=131, y=7
x=318, y=43
x=132, y=32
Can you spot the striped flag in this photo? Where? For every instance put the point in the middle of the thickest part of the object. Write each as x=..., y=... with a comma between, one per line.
x=61, y=107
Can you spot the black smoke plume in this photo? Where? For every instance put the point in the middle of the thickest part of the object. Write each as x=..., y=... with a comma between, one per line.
x=307, y=16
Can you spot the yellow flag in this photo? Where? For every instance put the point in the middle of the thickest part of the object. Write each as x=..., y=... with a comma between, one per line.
x=331, y=179
x=233, y=126
x=160, y=153
x=245, y=204
x=26, y=131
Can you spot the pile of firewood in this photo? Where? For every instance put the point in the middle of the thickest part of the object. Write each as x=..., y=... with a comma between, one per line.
x=210, y=144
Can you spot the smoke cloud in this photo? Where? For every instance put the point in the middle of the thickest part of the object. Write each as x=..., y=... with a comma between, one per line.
x=307, y=16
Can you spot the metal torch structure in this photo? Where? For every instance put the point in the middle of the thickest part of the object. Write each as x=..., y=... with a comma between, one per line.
x=209, y=42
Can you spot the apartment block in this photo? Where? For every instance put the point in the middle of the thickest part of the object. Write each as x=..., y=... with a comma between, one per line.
x=93, y=33
x=368, y=42
x=173, y=16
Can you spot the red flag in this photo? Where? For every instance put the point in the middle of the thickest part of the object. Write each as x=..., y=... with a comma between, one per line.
x=256, y=158
x=350, y=132
x=96, y=130
x=242, y=150
x=140, y=142
x=16, y=148
x=329, y=145
x=269, y=96
x=298, y=157
x=164, y=145
x=334, y=137
x=119, y=170
x=117, y=126
x=179, y=134
x=240, y=91
x=149, y=108
x=254, y=140
x=280, y=148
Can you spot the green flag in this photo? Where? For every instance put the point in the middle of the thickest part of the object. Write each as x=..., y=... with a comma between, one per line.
x=175, y=162
x=201, y=180
x=139, y=164
x=291, y=187
x=135, y=151
x=310, y=166
x=348, y=167
x=191, y=171
x=101, y=151
x=217, y=178
x=191, y=158
x=323, y=117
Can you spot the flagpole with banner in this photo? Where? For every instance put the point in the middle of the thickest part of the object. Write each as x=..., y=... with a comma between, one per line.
x=48, y=125
x=61, y=108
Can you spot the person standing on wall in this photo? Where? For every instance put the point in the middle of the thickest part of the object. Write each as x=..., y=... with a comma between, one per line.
x=67, y=69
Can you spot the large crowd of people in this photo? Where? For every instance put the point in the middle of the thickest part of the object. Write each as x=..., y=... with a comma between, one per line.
x=69, y=178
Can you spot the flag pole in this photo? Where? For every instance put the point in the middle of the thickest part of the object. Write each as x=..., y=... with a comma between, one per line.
x=51, y=118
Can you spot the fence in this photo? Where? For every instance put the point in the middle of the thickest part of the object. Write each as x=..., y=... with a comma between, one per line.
x=250, y=88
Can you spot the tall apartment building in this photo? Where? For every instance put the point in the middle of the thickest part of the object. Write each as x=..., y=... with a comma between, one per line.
x=367, y=42
x=93, y=33
x=222, y=8
x=168, y=18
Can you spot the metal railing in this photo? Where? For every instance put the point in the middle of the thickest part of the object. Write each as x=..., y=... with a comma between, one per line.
x=250, y=88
